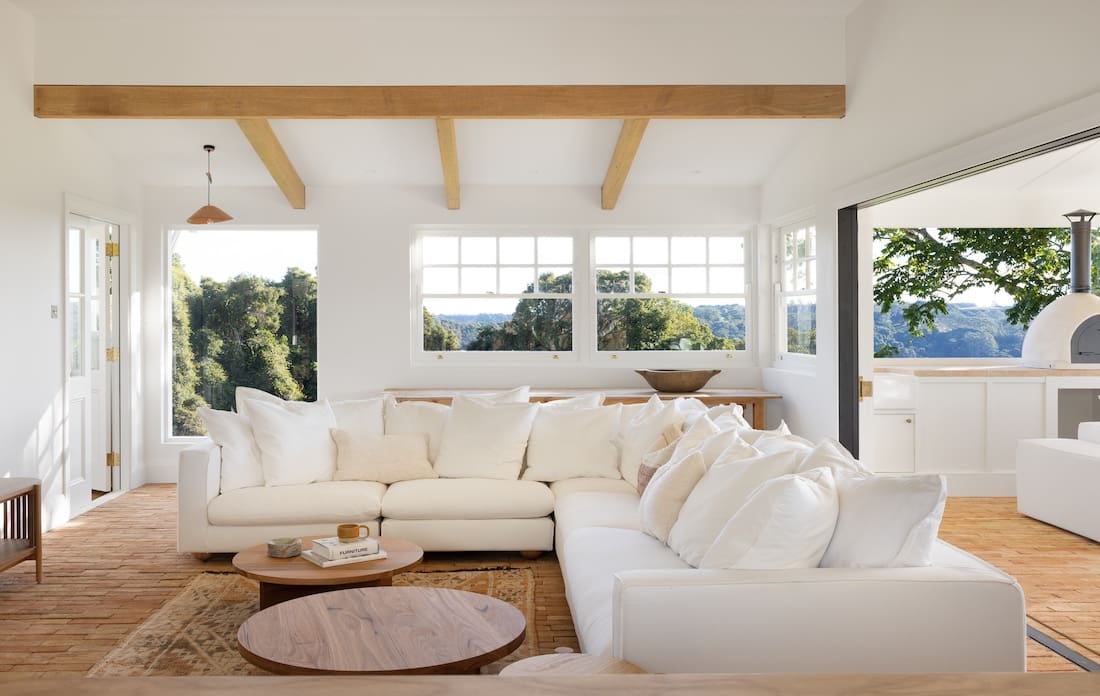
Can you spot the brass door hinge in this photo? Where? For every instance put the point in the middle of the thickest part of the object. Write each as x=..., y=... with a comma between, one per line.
x=866, y=388
x=112, y=355
x=112, y=249
x=113, y=459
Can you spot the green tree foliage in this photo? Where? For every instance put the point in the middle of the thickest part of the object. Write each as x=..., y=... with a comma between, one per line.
x=185, y=374
x=436, y=336
x=243, y=332
x=1030, y=264
x=628, y=323
x=299, y=325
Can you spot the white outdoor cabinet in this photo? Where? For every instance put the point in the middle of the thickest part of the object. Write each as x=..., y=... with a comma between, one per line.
x=892, y=444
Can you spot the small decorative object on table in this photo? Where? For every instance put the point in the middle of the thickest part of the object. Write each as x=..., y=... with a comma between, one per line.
x=677, y=381
x=284, y=547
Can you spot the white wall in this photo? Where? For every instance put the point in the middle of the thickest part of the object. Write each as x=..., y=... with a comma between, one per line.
x=364, y=283
x=41, y=162
x=931, y=85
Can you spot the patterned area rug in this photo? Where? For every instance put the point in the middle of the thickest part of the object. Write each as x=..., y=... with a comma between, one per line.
x=195, y=633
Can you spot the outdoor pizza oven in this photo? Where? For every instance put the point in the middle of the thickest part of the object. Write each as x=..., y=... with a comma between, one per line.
x=1066, y=334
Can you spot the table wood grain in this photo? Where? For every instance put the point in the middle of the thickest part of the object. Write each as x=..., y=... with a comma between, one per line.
x=282, y=579
x=383, y=630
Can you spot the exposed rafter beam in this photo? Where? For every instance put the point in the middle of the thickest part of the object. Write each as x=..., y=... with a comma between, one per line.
x=630, y=137
x=448, y=155
x=480, y=101
x=271, y=152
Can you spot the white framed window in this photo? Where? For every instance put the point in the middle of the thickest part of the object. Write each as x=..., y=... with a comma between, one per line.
x=670, y=297
x=654, y=297
x=796, y=268
x=481, y=292
x=241, y=304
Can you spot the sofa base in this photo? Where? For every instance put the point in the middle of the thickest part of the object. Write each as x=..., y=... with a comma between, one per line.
x=233, y=539
x=1056, y=483
x=535, y=534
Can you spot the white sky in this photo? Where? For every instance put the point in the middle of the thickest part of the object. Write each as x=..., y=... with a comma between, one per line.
x=223, y=253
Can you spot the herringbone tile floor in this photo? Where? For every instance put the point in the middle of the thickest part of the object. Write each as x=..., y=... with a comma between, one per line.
x=108, y=570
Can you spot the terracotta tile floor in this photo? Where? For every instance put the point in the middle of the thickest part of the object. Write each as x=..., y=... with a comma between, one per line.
x=109, y=569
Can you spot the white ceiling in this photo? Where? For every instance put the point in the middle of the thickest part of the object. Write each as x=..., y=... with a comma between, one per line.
x=491, y=152
x=1075, y=168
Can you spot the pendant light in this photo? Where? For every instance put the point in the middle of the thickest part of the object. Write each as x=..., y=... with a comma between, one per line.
x=208, y=214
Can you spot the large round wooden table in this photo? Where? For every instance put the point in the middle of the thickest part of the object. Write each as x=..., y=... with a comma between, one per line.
x=282, y=579
x=382, y=630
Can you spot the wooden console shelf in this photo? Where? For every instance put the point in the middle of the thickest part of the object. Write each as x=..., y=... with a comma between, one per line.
x=21, y=523
x=754, y=399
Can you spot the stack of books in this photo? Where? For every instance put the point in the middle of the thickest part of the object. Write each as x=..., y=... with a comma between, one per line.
x=330, y=551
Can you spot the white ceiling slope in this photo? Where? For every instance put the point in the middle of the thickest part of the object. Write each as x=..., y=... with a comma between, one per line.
x=447, y=42
x=490, y=152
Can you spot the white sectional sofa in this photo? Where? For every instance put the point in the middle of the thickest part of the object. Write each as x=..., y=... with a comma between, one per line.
x=632, y=596
x=1057, y=480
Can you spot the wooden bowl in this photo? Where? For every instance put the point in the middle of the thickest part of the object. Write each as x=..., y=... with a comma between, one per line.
x=677, y=381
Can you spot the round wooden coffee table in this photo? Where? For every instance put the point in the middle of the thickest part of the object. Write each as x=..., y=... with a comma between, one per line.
x=383, y=630
x=288, y=578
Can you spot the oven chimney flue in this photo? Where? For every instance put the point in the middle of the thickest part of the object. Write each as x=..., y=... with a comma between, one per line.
x=1080, y=250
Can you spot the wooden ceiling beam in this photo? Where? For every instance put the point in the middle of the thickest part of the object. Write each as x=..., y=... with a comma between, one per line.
x=630, y=137
x=448, y=155
x=271, y=152
x=477, y=101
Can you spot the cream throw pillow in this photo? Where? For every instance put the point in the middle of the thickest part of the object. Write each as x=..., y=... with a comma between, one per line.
x=295, y=443
x=366, y=456
x=886, y=521
x=639, y=434
x=721, y=492
x=484, y=440
x=424, y=417
x=570, y=443
x=665, y=495
x=241, y=467
x=364, y=415
x=787, y=522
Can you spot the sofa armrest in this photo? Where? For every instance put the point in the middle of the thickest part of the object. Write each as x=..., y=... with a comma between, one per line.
x=819, y=620
x=200, y=469
x=1089, y=431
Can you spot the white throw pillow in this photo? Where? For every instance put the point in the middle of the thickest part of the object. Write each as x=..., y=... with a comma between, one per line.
x=232, y=432
x=750, y=435
x=295, y=443
x=638, y=435
x=787, y=522
x=721, y=492
x=424, y=417
x=519, y=395
x=573, y=443
x=831, y=454
x=769, y=443
x=593, y=400
x=484, y=440
x=366, y=456
x=886, y=521
x=665, y=495
x=363, y=415
x=244, y=395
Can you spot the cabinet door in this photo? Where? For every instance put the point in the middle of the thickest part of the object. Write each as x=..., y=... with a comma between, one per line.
x=893, y=441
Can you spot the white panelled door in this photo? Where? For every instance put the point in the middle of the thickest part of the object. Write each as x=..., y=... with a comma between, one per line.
x=89, y=335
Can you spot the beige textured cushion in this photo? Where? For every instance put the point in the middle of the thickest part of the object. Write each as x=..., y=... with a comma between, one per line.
x=467, y=499
x=366, y=456
x=661, y=453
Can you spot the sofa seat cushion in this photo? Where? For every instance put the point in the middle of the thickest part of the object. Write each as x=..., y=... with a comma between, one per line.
x=311, y=503
x=467, y=499
x=592, y=509
x=592, y=557
x=568, y=487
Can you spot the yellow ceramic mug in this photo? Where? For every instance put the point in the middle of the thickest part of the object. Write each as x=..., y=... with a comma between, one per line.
x=350, y=532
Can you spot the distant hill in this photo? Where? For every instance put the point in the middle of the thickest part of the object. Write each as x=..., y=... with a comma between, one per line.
x=966, y=331
x=467, y=325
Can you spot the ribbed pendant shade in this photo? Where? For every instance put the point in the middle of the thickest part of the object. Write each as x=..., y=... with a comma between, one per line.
x=208, y=214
